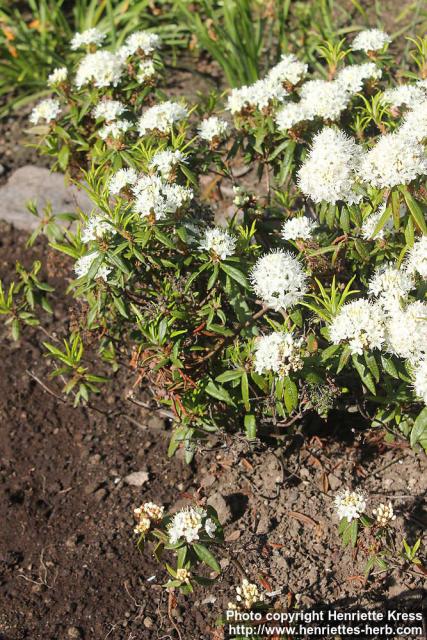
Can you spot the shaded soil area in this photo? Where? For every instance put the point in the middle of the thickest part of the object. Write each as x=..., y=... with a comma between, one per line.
x=69, y=567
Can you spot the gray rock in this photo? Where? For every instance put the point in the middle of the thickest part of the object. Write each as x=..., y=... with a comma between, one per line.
x=38, y=184
x=217, y=501
x=137, y=478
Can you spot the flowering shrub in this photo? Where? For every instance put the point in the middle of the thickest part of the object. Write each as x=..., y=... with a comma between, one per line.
x=187, y=534
x=373, y=535
x=312, y=294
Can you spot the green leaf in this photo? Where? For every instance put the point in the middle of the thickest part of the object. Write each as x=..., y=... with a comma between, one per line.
x=419, y=431
x=236, y=274
x=414, y=210
x=290, y=395
x=364, y=374
x=218, y=392
x=250, y=426
x=227, y=376
x=206, y=556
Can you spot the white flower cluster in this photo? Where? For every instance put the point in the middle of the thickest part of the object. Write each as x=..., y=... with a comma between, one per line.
x=213, y=129
x=162, y=117
x=288, y=71
x=102, y=69
x=109, y=110
x=395, y=159
x=390, y=285
x=114, y=130
x=140, y=42
x=189, y=523
x=247, y=596
x=83, y=265
x=361, y=323
x=416, y=261
x=57, y=76
x=260, y=95
x=420, y=379
x=353, y=77
x=279, y=353
x=384, y=514
x=370, y=40
x=121, y=179
x=414, y=126
x=350, y=504
x=183, y=575
x=299, y=228
x=326, y=99
x=218, y=243
x=146, y=514
x=89, y=37
x=166, y=161
x=408, y=95
x=146, y=70
x=279, y=280
x=96, y=227
x=329, y=172
x=47, y=110
x=155, y=197
x=406, y=331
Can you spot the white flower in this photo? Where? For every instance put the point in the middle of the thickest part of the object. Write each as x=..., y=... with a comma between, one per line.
x=109, y=110
x=218, y=242
x=279, y=280
x=371, y=221
x=414, y=126
x=248, y=594
x=212, y=128
x=145, y=514
x=292, y=113
x=146, y=70
x=278, y=352
x=406, y=331
x=114, y=130
x=90, y=36
x=121, y=179
x=408, y=95
x=183, y=575
x=390, y=286
x=210, y=527
x=47, y=110
x=394, y=160
x=140, y=41
x=420, y=380
x=84, y=263
x=300, y=227
x=324, y=99
x=288, y=70
x=96, y=227
x=101, y=68
x=186, y=524
x=350, y=504
x=57, y=76
x=416, y=261
x=370, y=40
x=352, y=78
x=328, y=172
x=162, y=117
x=259, y=95
x=361, y=324
x=158, y=198
x=153, y=511
x=384, y=514
x=165, y=161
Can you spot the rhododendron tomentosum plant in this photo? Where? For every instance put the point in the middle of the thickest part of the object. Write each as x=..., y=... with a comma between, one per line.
x=304, y=292
x=188, y=534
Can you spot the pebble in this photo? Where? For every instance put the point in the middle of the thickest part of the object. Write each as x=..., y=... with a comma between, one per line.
x=74, y=633
x=137, y=478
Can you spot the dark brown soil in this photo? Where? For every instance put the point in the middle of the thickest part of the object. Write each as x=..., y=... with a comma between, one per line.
x=68, y=564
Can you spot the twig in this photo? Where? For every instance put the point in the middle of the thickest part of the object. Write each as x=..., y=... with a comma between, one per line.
x=173, y=623
x=44, y=386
